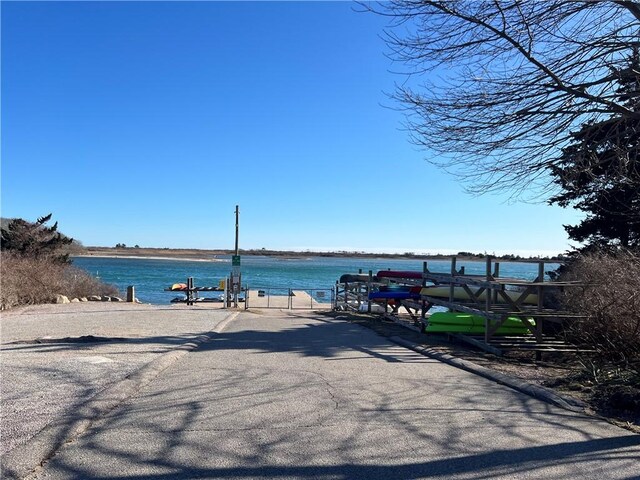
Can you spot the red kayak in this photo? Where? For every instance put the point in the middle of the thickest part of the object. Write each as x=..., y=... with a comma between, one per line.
x=399, y=274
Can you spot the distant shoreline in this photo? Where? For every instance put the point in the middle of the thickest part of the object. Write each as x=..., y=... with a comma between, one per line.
x=147, y=257
x=210, y=255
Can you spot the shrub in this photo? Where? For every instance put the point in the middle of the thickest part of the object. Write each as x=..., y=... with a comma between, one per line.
x=36, y=240
x=610, y=302
x=35, y=280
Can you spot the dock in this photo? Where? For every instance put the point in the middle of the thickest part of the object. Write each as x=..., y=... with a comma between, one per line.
x=288, y=299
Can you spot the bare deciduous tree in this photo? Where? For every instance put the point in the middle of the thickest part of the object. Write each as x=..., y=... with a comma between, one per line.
x=495, y=87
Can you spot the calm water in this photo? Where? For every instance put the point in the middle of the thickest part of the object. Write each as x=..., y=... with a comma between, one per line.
x=151, y=277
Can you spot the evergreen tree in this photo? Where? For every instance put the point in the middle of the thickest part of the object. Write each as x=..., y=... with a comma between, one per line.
x=36, y=240
x=599, y=173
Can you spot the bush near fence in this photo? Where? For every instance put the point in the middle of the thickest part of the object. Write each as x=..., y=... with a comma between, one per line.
x=610, y=302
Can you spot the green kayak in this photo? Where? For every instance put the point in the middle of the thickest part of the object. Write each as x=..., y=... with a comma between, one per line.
x=453, y=322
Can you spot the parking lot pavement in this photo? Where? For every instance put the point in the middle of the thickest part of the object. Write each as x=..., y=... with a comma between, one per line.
x=299, y=395
x=55, y=357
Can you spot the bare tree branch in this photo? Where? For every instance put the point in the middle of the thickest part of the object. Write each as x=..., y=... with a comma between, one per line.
x=494, y=87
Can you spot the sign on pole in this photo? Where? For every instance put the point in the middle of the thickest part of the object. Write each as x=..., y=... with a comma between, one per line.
x=235, y=273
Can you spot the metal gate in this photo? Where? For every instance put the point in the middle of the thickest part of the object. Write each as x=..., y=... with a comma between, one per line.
x=290, y=298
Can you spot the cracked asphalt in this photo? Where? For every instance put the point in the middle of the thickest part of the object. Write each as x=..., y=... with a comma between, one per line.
x=277, y=395
x=52, y=363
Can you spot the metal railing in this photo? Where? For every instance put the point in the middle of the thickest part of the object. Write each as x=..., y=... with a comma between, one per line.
x=290, y=298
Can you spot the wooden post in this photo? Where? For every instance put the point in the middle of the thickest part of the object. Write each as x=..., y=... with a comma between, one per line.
x=424, y=284
x=369, y=291
x=453, y=275
x=346, y=295
x=488, y=300
x=496, y=274
x=131, y=294
x=540, y=287
x=540, y=307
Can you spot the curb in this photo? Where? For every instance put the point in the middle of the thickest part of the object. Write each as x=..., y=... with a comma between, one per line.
x=25, y=459
x=535, y=391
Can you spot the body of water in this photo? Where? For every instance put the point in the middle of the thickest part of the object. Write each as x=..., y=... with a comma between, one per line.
x=152, y=276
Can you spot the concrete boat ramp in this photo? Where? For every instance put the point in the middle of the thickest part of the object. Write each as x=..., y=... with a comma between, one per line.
x=132, y=392
x=291, y=299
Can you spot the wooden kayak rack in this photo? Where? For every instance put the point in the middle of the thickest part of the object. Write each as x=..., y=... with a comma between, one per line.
x=488, y=298
x=497, y=306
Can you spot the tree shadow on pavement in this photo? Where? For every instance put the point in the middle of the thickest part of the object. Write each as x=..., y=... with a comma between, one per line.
x=327, y=399
x=512, y=463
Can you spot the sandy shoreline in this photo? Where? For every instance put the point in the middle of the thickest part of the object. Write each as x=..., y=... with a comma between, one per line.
x=145, y=257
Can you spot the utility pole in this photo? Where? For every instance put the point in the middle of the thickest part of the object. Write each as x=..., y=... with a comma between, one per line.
x=236, y=276
x=237, y=213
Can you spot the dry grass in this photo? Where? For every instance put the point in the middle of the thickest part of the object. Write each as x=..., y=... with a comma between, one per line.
x=610, y=301
x=29, y=281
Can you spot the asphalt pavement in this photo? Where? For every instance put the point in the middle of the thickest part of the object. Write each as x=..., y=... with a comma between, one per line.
x=56, y=358
x=281, y=395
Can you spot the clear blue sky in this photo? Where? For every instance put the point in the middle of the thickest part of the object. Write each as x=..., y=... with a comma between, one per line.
x=146, y=123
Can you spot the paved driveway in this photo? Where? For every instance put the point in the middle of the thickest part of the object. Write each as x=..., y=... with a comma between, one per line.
x=300, y=396
x=56, y=357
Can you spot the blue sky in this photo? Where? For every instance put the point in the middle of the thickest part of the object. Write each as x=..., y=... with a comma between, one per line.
x=146, y=123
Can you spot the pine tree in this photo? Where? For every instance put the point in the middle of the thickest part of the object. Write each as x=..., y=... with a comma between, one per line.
x=599, y=173
x=36, y=240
